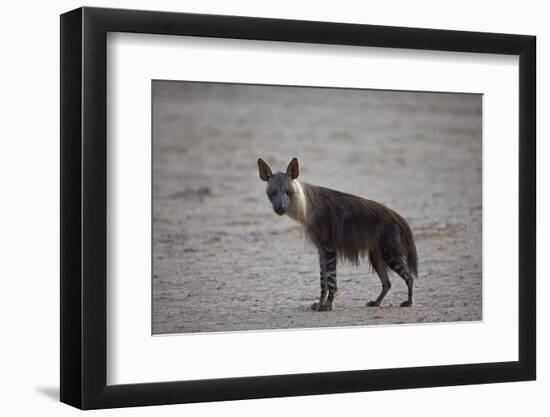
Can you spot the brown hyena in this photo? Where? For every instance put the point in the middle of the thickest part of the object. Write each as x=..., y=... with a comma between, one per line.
x=344, y=227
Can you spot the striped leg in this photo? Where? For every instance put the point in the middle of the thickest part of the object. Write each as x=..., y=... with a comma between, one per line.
x=327, y=264
x=322, y=278
x=330, y=265
x=396, y=263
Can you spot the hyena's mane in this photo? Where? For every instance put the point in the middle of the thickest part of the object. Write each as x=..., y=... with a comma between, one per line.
x=356, y=227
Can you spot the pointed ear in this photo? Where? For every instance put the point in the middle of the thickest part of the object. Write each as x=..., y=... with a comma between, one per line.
x=265, y=171
x=293, y=169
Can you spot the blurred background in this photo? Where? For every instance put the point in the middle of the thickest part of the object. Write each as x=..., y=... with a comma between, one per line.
x=223, y=261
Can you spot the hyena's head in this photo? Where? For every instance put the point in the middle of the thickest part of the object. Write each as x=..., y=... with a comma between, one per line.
x=280, y=186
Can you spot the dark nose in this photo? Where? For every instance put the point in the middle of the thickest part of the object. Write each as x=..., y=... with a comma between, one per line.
x=279, y=210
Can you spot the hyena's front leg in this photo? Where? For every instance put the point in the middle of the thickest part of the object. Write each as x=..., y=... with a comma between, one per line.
x=322, y=281
x=327, y=264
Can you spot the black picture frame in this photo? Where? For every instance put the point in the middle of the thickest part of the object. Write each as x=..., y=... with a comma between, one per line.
x=84, y=207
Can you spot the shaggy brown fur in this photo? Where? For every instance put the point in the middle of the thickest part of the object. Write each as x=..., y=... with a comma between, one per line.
x=355, y=226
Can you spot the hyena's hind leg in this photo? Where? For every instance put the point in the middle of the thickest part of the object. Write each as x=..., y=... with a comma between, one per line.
x=396, y=262
x=379, y=265
x=327, y=265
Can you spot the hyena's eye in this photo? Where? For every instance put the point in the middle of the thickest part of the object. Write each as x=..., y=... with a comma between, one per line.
x=289, y=193
x=271, y=194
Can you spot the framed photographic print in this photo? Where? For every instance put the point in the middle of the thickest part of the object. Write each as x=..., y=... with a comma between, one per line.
x=257, y=207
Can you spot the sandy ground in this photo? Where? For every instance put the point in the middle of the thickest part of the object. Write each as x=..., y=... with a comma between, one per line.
x=223, y=261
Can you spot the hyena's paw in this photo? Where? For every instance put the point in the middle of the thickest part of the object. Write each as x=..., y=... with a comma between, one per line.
x=373, y=304
x=407, y=303
x=321, y=307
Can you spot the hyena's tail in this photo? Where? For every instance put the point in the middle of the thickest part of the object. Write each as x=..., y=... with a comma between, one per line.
x=409, y=248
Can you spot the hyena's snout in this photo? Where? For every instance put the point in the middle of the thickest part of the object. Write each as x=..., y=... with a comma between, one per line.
x=280, y=210
x=280, y=204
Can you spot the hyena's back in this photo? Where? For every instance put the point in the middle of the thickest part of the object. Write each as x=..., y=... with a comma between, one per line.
x=358, y=228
